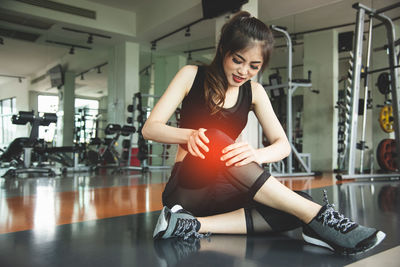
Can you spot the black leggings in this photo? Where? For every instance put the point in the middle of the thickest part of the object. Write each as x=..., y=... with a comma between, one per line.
x=207, y=187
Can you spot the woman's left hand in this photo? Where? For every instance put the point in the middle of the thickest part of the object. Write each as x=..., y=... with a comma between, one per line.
x=239, y=154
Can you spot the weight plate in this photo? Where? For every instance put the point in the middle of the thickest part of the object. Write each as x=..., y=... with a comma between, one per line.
x=383, y=83
x=386, y=119
x=386, y=152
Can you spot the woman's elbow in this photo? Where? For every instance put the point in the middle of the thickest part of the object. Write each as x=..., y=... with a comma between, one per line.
x=146, y=131
x=287, y=149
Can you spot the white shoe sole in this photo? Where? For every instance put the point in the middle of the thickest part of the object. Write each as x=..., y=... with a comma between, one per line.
x=379, y=237
x=316, y=242
x=162, y=223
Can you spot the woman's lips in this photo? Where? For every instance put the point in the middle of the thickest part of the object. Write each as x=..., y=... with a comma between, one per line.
x=237, y=79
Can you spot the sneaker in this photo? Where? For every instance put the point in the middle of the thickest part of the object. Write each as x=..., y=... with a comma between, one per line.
x=332, y=230
x=177, y=222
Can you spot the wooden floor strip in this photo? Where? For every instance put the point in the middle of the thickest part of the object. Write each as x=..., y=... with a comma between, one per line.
x=48, y=208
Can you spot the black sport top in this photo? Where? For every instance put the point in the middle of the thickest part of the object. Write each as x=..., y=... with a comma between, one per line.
x=195, y=113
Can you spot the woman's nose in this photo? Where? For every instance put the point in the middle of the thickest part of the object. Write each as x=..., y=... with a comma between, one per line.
x=242, y=70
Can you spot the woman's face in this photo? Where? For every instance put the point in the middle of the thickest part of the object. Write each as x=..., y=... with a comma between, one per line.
x=243, y=65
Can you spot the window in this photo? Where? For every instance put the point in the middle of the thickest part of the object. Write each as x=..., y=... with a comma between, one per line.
x=7, y=129
x=49, y=104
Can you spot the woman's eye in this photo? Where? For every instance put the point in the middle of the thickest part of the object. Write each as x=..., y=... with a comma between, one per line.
x=254, y=67
x=236, y=61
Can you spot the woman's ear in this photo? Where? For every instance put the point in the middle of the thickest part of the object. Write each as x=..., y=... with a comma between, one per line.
x=220, y=50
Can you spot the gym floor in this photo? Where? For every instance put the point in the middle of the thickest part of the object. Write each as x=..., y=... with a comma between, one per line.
x=108, y=220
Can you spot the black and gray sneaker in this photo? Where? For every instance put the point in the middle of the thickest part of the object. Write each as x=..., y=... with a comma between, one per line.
x=177, y=222
x=332, y=230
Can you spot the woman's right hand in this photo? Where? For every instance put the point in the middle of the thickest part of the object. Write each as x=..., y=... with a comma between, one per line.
x=197, y=140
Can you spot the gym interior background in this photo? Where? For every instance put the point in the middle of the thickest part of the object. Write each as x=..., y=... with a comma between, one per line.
x=78, y=79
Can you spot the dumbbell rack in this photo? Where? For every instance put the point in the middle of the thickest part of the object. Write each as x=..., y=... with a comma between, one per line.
x=354, y=90
x=343, y=106
x=278, y=168
x=144, y=165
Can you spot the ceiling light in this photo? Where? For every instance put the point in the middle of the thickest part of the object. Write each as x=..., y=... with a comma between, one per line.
x=153, y=46
x=98, y=70
x=72, y=50
x=82, y=78
x=190, y=56
x=90, y=39
x=187, y=33
x=20, y=79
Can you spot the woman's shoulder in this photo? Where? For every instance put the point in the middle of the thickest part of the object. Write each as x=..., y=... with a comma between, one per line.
x=187, y=74
x=256, y=87
x=189, y=70
x=257, y=91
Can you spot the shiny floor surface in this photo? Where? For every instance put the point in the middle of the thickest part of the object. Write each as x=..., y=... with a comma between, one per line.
x=108, y=220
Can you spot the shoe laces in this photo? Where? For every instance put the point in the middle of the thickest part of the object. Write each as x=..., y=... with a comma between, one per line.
x=333, y=218
x=186, y=228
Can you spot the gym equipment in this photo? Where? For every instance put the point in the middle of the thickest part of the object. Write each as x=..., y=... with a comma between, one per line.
x=386, y=119
x=386, y=155
x=146, y=148
x=383, y=83
x=87, y=123
x=348, y=171
x=303, y=159
x=24, y=150
x=109, y=155
x=361, y=145
x=274, y=80
x=344, y=107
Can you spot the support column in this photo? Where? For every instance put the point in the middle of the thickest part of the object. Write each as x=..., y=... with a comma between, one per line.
x=320, y=116
x=165, y=70
x=123, y=80
x=66, y=111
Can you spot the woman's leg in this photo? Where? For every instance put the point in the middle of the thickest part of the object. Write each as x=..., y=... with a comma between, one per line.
x=276, y=195
x=257, y=218
x=233, y=222
x=325, y=226
x=206, y=187
x=257, y=183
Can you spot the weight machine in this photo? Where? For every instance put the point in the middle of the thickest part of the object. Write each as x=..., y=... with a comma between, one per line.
x=353, y=91
x=304, y=159
x=105, y=155
x=31, y=155
x=21, y=150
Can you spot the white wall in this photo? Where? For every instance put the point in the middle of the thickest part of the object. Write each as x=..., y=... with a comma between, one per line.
x=320, y=116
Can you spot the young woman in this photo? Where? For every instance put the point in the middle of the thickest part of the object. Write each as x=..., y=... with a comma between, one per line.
x=219, y=179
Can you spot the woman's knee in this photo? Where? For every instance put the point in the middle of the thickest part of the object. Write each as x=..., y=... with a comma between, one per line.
x=218, y=139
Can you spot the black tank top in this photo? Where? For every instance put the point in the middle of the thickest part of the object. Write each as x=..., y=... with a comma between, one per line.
x=195, y=113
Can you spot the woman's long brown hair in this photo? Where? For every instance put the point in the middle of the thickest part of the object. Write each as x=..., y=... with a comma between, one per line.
x=238, y=33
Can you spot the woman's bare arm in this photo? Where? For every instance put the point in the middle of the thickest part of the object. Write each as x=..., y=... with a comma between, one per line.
x=279, y=147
